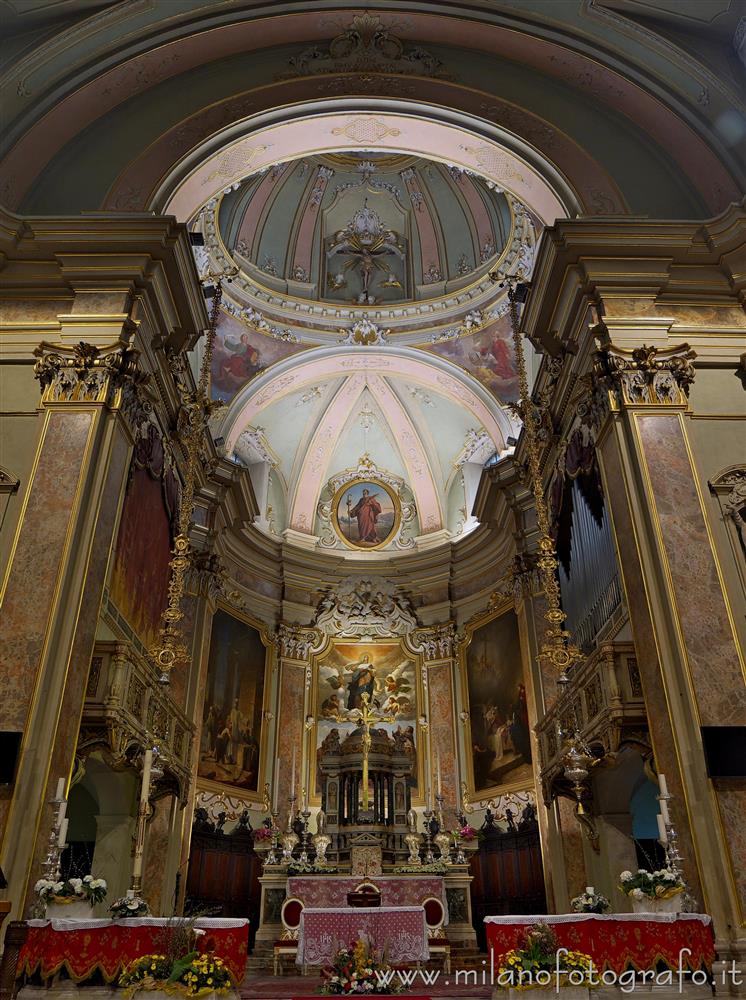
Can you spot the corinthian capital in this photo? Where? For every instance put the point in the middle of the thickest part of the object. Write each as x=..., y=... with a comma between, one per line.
x=646, y=375
x=84, y=373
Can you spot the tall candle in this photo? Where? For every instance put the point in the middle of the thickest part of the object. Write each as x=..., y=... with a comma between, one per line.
x=276, y=778
x=147, y=764
x=662, y=833
x=60, y=793
x=662, y=784
x=437, y=760
x=664, y=812
x=292, y=776
x=62, y=836
x=61, y=812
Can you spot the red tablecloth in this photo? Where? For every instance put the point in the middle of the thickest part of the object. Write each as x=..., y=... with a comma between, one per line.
x=616, y=941
x=328, y=891
x=401, y=930
x=86, y=947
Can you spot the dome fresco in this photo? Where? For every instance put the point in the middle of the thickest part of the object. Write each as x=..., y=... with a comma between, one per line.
x=363, y=349
x=364, y=229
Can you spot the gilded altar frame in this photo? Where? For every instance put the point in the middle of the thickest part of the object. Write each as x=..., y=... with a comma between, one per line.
x=314, y=706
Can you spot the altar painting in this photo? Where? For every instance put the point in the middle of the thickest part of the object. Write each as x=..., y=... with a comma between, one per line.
x=498, y=710
x=231, y=739
x=383, y=672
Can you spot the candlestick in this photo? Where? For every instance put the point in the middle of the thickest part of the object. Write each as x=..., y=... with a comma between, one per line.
x=662, y=785
x=142, y=816
x=60, y=793
x=662, y=833
x=62, y=835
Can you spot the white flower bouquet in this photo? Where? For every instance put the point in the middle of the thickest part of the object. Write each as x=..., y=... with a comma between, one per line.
x=71, y=890
x=589, y=901
x=661, y=884
x=129, y=906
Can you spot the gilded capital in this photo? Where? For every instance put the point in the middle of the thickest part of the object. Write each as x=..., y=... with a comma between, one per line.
x=84, y=373
x=645, y=376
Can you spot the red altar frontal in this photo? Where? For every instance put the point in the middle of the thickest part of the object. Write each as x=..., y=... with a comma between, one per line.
x=616, y=941
x=84, y=948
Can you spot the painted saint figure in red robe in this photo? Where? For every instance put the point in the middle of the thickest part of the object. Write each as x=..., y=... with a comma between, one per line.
x=367, y=511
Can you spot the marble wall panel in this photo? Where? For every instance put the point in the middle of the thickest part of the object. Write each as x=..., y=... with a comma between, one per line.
x=711, y=652
x=290, y=733
x=643, y=633
x=443, y=739
x=65, y=739
x=572, y=848
x=731, y=795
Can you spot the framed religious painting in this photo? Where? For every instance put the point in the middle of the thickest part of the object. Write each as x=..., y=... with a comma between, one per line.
x=494, y=692
x=232, y=743
x=383, y=678
x=366, y=513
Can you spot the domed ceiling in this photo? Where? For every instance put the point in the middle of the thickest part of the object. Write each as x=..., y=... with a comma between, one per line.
x=363, y=350
x=365, y=229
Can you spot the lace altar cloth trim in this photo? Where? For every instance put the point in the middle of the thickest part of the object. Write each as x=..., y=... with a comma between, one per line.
x=616, y=941
x=401, y=930
x=398, y=890
x=86, y=947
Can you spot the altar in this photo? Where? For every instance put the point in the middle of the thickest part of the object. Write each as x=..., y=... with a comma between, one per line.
x=400, y=930
x=395, y=890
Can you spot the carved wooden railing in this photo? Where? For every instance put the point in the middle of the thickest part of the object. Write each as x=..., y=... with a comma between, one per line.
x=604, y=698
x=125, y=706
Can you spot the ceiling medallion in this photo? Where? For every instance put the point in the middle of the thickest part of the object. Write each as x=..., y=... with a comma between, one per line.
x=366, y=513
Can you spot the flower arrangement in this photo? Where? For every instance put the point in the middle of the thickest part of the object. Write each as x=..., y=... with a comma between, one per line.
x=535, y=963
x=193, y=975
x=310, y=868
x=466, y=832
x=359, y=968
x=262, y=834
x=590, y=901
x=129, y=906
x=91, y=889
x=661, y=884
x=435, y=868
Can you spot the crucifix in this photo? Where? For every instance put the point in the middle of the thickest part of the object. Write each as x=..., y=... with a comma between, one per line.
x=366, y=716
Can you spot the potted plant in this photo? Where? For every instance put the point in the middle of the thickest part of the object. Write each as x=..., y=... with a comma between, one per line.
x=652, y=892
x=536, y=966
x=589, y=901
x=72, y=898
x=129, y=906
x=359, y=969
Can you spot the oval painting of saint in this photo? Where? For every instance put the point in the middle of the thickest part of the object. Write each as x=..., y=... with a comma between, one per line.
x=366, y=513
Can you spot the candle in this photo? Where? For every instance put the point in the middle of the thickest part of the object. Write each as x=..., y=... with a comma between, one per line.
x=437, y=761
x=60, y=793
x=589, y=890
x=147, y=763
x=664, y=811
x=276, y=777
x=430, y=799
x=662, y=833
x=62, y=836
x=61, y=812
x=292, y=777
x=662, y=785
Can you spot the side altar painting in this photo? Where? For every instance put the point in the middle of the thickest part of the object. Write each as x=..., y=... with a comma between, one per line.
x=498, y=710
x=384, y=673
x=230, y=748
